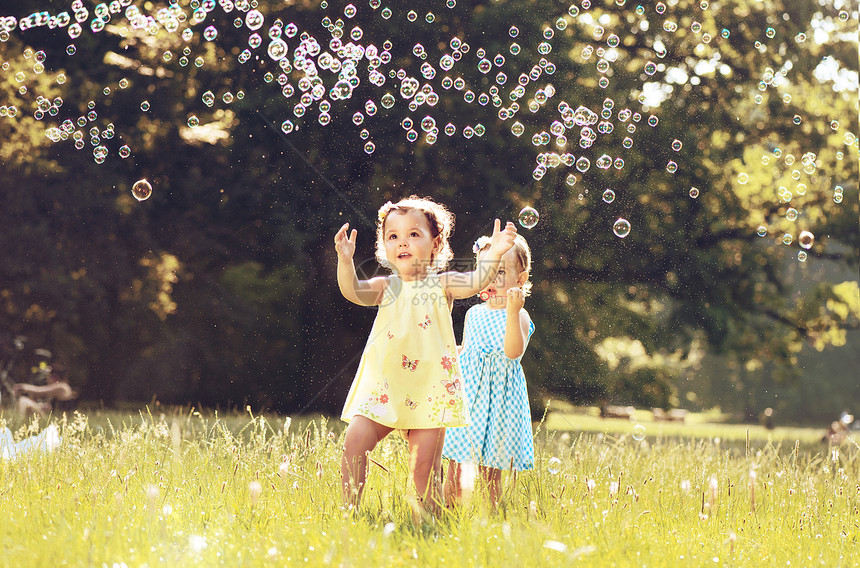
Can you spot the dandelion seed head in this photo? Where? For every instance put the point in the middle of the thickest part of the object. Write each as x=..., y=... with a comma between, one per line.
x=467, y=476
x=197, y=543
x=254, y=491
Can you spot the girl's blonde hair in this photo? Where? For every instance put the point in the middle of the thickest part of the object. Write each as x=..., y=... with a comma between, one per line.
x=439, y=219
x=522, y=252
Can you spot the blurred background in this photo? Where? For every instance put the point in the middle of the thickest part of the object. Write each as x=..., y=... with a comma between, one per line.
x=736, y=287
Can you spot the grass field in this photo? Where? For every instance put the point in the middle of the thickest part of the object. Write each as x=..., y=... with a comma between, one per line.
x=184, y=489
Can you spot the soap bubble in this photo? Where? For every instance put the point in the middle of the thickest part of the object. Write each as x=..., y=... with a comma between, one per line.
x=608, y=196
x=639, y=432
x=528, y=217
x=806, y=239
x=141, y=190
x=553, y=465
x=621, y=227
x=254, y=20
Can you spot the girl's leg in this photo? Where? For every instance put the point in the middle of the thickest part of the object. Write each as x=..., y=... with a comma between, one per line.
x=452, y=483
x=425, y=447
x=493, y=479
x=362, y=435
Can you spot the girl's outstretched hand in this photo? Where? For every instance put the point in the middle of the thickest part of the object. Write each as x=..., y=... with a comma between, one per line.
x=503, y=240
x=345, y=246
x=516, y=300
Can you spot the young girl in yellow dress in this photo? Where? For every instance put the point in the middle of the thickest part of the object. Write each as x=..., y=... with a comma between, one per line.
x=408, y=378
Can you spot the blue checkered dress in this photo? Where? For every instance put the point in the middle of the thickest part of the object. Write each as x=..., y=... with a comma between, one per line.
x=500, y=433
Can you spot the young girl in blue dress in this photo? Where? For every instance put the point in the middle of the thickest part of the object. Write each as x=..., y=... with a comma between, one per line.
x=495, y=336
x=408, y=378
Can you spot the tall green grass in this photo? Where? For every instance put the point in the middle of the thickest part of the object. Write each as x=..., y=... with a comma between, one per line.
x=185, y=489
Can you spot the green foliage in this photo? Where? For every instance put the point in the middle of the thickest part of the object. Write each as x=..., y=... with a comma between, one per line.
x=251, y=313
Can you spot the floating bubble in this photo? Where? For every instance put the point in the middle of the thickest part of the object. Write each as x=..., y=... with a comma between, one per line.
x=141, y=190
x=791, y=214
x=621, y=227
x=254, y=20
x=671, y=167
x=287, y=126
x=369, y=147
x=743, y=178
x=694, y=192
x=553, y=465
x=277, y=49
x=638, y=432
x=676, y=145
x=608, y=196
x=210, y=33
x=125, y=152
x=802, y=256
x=582, y=164
x=193, y=121
x=528, y=217
x=761, y=231
x=787, y=238
x=144, y=106
x=806, y=239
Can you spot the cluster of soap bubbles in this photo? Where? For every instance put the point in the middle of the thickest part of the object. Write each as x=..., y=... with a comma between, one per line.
x=315, y=70
x=318, y=68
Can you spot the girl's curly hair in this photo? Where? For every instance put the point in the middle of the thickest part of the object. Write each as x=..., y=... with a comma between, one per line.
x=439, y=219
x=521, y=251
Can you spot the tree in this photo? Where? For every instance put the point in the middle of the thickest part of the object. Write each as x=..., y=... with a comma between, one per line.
x=220, y=288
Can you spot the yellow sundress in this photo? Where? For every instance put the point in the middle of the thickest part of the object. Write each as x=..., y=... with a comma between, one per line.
x=409, y=376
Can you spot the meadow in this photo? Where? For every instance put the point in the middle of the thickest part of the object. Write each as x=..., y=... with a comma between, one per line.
x=177, y=487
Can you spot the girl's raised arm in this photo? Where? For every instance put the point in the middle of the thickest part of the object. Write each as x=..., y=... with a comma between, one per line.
x=361, y=292
x=467, y=284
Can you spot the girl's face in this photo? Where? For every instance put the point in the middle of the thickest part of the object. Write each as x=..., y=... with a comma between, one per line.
x=509, y=275
x=409, y=245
